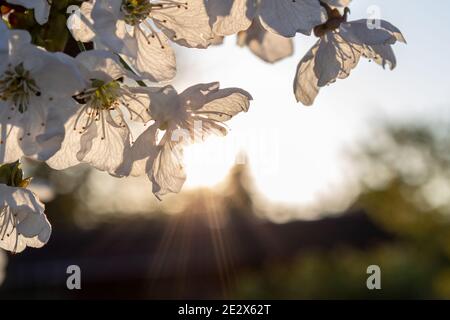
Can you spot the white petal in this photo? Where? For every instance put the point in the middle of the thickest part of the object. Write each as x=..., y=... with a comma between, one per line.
x=268, y=46
x=37, y=133
x=10, y=150
x=208, y=101
x=41, y=131
x=187, y=23
x=381, y=54
x=348, y=55
x=155, y=58
x=359, y=32
x=22, y=220
x=225, y=104
x=305, y=83
x=100, y=65
x=138, y=158
x=392, y=29
x=165, y=104
x=111, y=28
x=200, y=128
x=56, y=74
x=228, y=17
x=196, y=96
x=168, y=175
x=327, y=66
x=81, y=24
x=12, y=42
x=103, y=144
x=66, y=157
x=287, y=17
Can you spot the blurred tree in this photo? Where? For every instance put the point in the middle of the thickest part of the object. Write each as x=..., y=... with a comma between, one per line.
x=405, y=175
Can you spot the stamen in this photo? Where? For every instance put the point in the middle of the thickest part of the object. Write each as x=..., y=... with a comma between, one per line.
x=17, y=86
x=137, y=11
x=100, y=99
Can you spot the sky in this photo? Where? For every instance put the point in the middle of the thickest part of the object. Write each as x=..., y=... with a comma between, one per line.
x=296, y=154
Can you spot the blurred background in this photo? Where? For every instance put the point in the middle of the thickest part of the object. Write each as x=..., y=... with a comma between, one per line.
x=295, y=203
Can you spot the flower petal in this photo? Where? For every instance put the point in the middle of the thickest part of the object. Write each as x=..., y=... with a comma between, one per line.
x=186, y=23
x=327, y=66
x=10, y=150
x=228, y=17
x=138, y=158
x=381, y=54
x=393, y=30
x=197, y=96
x=22, y=220
x=165, y=105
x=168, y=175
x=100, y=65
x=66, y=157
x=287, y=17
x=155, y=58
x=103, y=143
x=56, y=74
x=81, y=24
x=268, y=46
x=111, y=28
x=41, y=130
x=305, y=83
x=359, y=32
x=208, y=101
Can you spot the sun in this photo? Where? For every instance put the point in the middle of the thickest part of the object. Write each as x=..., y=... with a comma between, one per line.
x=207, y=164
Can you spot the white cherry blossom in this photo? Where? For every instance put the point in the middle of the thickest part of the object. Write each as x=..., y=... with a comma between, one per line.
x=140, y=31
x=340, y=47
x=33, y=82
x=183, y=118
x=41, y=8
x=22, y=219
x=96, y=132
